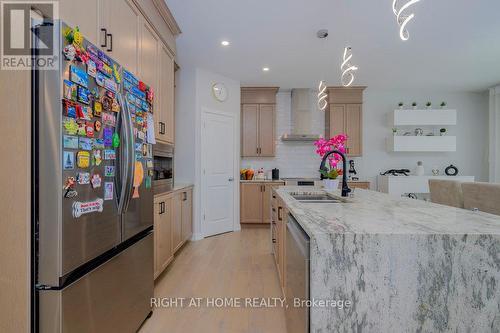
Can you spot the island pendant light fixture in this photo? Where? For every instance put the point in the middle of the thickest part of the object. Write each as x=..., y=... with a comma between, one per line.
x=322, y=95
x=347, y=69
x=403, y=19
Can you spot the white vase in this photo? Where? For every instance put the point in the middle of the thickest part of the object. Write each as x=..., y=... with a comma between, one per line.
x=331, y=184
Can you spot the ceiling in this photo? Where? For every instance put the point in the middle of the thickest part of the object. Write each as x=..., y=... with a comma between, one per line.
x=454, y=45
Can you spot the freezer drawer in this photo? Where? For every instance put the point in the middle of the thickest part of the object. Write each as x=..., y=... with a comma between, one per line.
x=114, y=297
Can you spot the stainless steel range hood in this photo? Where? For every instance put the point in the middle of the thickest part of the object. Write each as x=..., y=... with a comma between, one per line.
x=301, y=118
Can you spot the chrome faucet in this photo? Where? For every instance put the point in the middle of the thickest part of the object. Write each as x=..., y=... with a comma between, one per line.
x=345, y=188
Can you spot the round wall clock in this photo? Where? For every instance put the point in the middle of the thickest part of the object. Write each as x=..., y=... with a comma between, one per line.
x=220, y=91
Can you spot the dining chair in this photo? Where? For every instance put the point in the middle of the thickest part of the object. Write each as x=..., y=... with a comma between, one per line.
x=484, y=197
x=446, y=192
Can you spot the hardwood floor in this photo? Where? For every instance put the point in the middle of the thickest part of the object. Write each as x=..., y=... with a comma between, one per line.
x=236, y=264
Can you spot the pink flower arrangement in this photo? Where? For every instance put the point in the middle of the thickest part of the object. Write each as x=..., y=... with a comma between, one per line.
x=337, y=142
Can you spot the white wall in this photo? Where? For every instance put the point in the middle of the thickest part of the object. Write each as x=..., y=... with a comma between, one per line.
x=494, y=130
x=193, y=95
x=299, y=159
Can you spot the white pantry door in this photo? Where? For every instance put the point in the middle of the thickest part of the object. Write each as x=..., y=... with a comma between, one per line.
x=217, y=173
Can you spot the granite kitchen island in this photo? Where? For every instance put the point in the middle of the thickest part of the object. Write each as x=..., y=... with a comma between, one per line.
x=406, y=265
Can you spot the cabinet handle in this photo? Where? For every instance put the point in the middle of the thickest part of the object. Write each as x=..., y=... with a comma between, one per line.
x=279, y=214
x=161, y=207
x=184, y=198
x=347, y=149
x=257, y=150
x=110, y=48
x=162, y=127
x=274, y=240
x=105, y=37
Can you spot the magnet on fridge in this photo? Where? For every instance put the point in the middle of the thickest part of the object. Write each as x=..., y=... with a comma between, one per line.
x=115, y=107
x=106, y=103
x=151, y=173
x=97, y=157
x=147, y=182
x=130, y=77
x=149, y=163
x=70, y=126
x=96, y=180
x=150, y=95
x=108, y=136
x=108, y=190
x=69, y=188
x=91, y=68
x=99, y=79
x=83, y=95
x=138, y=146
x=106, y=70
x=144, y=149
x=142, y=86
x=110, y=84
x=70, y=142
x=110, y=94
x=116, y=74
x=109, y=119
x=68, y=160
x=127, y=85
x=82, y=131
x=70, y=110
x=89, y=129
x=69, y=52
x=109, y=171
x=83, y=178
x=140, y=135
x=97, y=108
x=98, y=144
x=97, y=126
x=83, y=159
x=109, y=154
x=69, y=90
x=92, y=50
x=85, y=143
x=116, y=140
x=138, y=178
x=79, y=76
x=95, y=93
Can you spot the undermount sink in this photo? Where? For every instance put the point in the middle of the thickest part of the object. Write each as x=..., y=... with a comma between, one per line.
x=316, y=198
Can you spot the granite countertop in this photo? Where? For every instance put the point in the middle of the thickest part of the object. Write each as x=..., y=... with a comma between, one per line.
x=262, y=181
x=370, y=212
x=405, y=265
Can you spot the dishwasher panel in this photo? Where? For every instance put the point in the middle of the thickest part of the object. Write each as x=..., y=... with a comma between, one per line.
x=297, y=273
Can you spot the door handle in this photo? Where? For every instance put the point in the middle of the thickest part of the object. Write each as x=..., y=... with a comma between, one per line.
x=105, y=37
x=110, y=48
x=279, y=214
x=231, y=179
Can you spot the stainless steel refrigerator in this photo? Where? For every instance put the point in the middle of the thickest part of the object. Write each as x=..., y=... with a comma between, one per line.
x=93, y=201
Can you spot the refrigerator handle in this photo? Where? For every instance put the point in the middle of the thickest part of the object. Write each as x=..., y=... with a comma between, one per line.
x=128, y=156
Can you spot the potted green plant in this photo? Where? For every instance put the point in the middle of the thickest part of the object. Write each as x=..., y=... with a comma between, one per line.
x=428, y=105
x=331, y=178
x=443, y=105
x=414, y=104
x=401, y=104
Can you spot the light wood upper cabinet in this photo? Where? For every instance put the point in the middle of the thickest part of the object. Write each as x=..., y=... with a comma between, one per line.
x=177, y=221
x=148, y=69
x=71, y=13
x=121, y=19
x=163, y=250
x=187, y=214
x=258, y=121
x=251, y=203
x=345, y=117
x=250, y=130
x=266, y=129
x=164, y=117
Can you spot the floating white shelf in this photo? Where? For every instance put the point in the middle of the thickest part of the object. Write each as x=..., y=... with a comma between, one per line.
x=428, y=117
x=422, y=143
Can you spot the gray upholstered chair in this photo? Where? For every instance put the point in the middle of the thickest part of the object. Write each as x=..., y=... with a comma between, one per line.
x=446, y=192
x=484, y=197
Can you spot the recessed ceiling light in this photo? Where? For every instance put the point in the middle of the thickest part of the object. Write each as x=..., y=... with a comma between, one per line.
x=225, y=43
x=265, y=69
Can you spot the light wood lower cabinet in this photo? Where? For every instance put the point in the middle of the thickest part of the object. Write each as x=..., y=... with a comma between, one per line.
x=173, y=225
x=278, y=237
x=255, y=202
x=163, y=250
